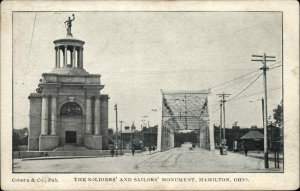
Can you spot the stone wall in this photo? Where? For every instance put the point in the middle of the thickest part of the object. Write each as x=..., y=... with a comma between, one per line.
x=93, y=142
x=48, y=142
x=34, y=121
x=104, y=120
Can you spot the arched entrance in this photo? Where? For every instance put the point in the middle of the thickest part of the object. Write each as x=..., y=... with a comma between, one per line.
x=71, y=124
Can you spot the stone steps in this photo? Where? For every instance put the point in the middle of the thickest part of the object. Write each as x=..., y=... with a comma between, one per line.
x=71, y=148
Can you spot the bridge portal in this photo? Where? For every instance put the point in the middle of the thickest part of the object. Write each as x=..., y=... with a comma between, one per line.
x=183, y=111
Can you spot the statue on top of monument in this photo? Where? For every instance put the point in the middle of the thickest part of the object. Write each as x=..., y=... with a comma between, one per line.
x=68, y=24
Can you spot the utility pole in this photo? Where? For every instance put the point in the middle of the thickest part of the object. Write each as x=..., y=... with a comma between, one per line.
x=235, y=128
x=264, y=59
x=223, y=95
x=263, y=111
x=116, y=109
x=121, y=138
x=220, y=122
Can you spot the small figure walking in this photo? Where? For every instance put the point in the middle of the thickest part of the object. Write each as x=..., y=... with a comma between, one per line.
x=246, y=150
x=150, y=148
x=133, y=150
x=112, y=150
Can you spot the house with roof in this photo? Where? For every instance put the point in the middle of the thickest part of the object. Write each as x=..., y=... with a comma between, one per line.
x=253, y=140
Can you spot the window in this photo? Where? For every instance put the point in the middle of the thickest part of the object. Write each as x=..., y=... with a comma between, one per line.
x=71, y=108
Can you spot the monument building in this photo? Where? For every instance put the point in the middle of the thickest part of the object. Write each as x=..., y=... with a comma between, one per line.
x=68, y=107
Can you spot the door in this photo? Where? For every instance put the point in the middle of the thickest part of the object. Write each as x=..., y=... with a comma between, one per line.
x=70, y=136
x=71, y=125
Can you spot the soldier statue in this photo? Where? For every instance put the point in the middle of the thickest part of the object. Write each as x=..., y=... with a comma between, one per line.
x=68, y=24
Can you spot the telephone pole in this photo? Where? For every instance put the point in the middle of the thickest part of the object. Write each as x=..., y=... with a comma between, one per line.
x=116, y=109
x=220, y=122
x=264, y=59
x=121, y=138
x=223, y=95
x=235, y=128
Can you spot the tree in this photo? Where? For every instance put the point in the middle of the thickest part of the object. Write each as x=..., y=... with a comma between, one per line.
x=20, y=137
x=17, y=140
x=278, y=115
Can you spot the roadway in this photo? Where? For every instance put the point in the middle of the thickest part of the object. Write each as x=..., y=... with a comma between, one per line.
x=174, y=160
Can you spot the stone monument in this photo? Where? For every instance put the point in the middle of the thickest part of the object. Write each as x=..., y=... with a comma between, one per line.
x=68, y=107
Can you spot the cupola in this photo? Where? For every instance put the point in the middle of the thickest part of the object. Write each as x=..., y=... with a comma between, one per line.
x=69, y=53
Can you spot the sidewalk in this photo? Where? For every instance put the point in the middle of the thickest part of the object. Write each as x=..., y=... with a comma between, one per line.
x=260, y=155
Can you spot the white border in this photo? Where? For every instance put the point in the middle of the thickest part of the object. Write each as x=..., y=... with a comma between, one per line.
x=257, y=181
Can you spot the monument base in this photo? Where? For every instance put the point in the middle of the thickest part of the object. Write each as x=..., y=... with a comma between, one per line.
x=33, y=143
x=93, y=142
x=48, y=142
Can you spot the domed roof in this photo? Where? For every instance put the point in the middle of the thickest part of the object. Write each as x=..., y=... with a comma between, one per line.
x=69, y=71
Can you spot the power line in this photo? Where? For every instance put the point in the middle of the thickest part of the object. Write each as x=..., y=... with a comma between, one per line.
x=246, y=87
x=249, y=95
x=236, y=85
x=254, y=80
x=275, y=67
x=244, y=76
x=258, y=93
x=234, y=79
x=252, y=28
x=29, y=51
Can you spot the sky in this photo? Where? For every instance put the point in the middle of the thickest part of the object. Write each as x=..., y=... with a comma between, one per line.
x=138, y=54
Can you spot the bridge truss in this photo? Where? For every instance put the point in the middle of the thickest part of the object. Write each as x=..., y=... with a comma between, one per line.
x=185, y=110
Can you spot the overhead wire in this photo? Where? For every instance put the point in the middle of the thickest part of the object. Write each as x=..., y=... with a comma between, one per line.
x=242, y=76
x=29, y=51
x=246, y=96
x=234, y=79
x=269, y=90
x=246, y=87
x=233, y=34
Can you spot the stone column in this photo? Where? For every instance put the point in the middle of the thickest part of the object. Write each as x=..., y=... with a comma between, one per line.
x=97, y=116
x=73, y=57
x=81, y=58
x=56, y=60
x=88, y=116
x=44, y=117
x=78, y=58
x=65, y=56
x=53, y=115
x=58, y=57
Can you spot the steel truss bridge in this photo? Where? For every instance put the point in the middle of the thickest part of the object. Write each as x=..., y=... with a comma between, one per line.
x=185, y=110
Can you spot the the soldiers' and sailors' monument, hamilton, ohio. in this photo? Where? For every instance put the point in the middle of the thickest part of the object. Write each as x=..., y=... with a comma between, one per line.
x=68, y=107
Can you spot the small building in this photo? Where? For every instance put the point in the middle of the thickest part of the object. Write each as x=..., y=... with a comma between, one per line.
x=130, y=136
x=253, y=140
x=126, y=136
